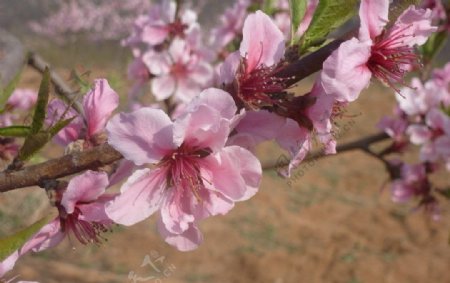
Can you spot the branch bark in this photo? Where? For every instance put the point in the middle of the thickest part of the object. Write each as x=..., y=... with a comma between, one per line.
x=59, y=167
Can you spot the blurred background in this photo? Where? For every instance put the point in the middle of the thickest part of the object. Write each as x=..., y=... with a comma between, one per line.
x=333, y=222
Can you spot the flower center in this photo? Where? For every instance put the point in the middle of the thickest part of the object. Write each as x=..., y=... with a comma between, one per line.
x=255, y=89
x=85, y=231
x=183, y=169
x=391, y=58
x=177, y=28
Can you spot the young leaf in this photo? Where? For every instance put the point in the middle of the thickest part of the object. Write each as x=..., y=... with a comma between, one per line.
x=33, y=143
x=41, y=105
x=329, y=15
x=10, y=244
x=59, y=126
x=9, y=89
x=15, y=131
x=298, y=10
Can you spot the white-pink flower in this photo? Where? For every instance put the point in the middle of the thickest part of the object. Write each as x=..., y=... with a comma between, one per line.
x=82, y=215
x=179, y=71
x=195, y=175
x=386, y=54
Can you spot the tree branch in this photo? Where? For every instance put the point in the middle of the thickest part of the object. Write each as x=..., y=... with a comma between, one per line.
x=60, y=167
x=360, y=144
x=64, y=91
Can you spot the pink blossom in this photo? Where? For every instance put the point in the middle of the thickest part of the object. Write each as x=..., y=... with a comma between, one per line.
x=160, y=23
x=82, y=214
x=22, y=98
x=179, y=72
x=98, y=105
x=386, y=54
x=419, y=99
x=252, y=69
x=195, y=175
x=434, y=136
x=413, y=182
x=230, y=25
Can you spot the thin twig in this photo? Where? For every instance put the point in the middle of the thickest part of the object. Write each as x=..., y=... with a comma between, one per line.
x=64, y=91
x=360, y=144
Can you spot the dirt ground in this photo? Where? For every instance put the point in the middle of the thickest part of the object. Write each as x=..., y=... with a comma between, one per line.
x=331, y=223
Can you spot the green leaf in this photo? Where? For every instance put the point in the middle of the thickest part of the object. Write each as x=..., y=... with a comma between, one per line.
x=10, y=244
x=41, y=105
x=33, y=143
x=9, y=89
x=329, y=15
x=59, y=126
x=298, y=10
x=15, y=131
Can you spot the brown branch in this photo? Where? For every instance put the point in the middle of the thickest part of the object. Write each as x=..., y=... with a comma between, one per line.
x=360, y=144
x=65, y=92
x=308, y=65
x=57, y=168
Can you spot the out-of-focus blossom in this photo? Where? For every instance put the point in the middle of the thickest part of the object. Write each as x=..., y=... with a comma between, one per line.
x=82, y=215
x=179, y=72
x=195, y=176
x=102, y=20
x=387, y=54
x=434, y=136
x=160, y=23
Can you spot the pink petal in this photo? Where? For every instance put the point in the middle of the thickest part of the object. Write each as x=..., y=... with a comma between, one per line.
x=176, y=211
x=260, y=125
x=419, y=134
x=95, y=211
x=124, y=169
x=227, y=70
x=140, y=197
x=234, y=172
x=84, y=188
x=187, y=241
x=143, y=136
x=49, y=236
x=98, y=104
x=163, y=87
x=296, y=140
x=212, y=203
x=345, y=73
x=373, y=16
x=262, y=43
x=202, y=127
x=154, y=34
x=217, y=99
x=23, y=98
x=415, y=25
x=157, y=63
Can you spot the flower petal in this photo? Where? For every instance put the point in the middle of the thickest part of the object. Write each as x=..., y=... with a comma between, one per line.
x=140, y=197
x=143, y=136
x=163, y=87
x=373, y=16
x=415, y=26
x=98, y=105
x=189, y=240
x=263, y=41
x=84, y=188
x=345, y=73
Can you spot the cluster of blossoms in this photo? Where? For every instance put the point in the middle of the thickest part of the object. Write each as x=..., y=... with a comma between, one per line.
x=105, y=20
x=422, y=118
x=197, y=161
